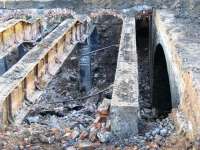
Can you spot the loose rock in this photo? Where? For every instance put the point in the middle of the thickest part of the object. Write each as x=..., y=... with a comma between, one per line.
x=104, y=137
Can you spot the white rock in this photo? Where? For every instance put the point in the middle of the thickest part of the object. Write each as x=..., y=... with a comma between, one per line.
x=104, y=137
x=163, y=132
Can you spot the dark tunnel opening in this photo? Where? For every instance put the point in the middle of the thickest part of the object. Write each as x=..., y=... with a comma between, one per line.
x=161, y=87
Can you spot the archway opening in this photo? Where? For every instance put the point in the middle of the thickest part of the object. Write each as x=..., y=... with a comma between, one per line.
x=161, y=87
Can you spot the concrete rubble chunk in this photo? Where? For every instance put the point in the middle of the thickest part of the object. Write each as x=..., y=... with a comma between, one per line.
x=103, y=108
x=104, y=136
x=75, y=134
x=93, y=134
x=70, y=148
x=83, y=135
x=86, y=145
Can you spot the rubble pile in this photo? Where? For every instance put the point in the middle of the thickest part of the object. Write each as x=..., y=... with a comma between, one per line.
x=60, y=120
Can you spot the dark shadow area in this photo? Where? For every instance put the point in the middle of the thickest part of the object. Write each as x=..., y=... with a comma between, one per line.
x=14, y=56
x=107, y=38
x=161, y=87
x=142, y=41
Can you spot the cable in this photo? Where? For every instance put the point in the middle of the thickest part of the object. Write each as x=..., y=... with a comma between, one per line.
x=97, y=50
x=84, y=97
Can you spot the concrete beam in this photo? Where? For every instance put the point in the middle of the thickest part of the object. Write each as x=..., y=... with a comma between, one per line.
x=124, y=104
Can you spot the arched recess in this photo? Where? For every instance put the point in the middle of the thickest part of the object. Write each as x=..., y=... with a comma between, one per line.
x=161, y=85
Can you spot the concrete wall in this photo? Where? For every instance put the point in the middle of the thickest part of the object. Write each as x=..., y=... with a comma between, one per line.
x=182, y=55
x=158, y=37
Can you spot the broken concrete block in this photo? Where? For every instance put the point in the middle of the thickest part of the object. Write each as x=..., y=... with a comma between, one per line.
x=86, y=145
x=84, y=135
x=93, y=134
x=104, y=136
x=103, y=108
x=75, y=134
x=108, y=125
